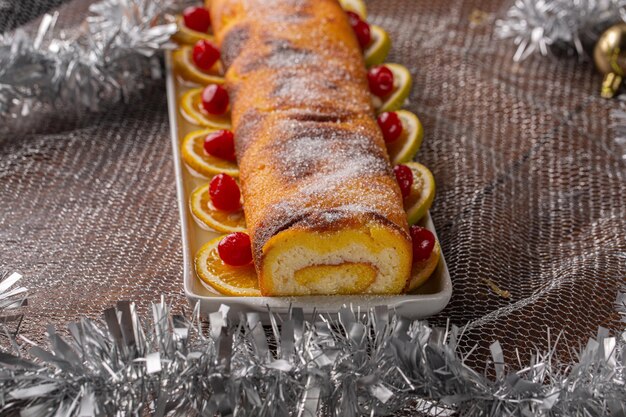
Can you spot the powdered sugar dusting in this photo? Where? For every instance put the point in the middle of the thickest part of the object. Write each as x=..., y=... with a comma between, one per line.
x=316, y=88
x=256, y=5
x=275, y=53
x=284, y=54
x=326, y=154
x=233, y=42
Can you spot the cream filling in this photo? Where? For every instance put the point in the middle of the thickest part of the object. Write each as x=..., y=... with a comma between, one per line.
x=307, y=265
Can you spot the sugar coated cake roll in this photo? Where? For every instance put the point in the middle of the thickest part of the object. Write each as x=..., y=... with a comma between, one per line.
x=322, y=205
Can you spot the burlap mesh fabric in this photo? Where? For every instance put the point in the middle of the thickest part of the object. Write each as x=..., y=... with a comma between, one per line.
x=530, y=190
x=14, y=13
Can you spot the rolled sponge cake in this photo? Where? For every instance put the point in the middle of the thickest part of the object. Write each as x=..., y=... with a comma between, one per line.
x=322, y=205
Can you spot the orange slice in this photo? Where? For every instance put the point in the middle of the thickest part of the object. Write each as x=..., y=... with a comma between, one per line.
x=188, y=70
x=378, y=49
x=189, y=36
x=422, y=270
x=240, y=281
x=419, y=201
x=406, y=146
x=199, y=161
x=208, y=217
x=192, y=110
x=402, y=83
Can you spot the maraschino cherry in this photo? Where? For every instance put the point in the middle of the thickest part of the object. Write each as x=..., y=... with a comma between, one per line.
x=391, y=126
x=361, y=29
x=235, y=249
x=404, y=176
x=205, y=54
x=352, y=17
x=220, y=144
x=215, y=99
x=423, y=243
x=197, y=18
x=224, y=193
x=380, y=80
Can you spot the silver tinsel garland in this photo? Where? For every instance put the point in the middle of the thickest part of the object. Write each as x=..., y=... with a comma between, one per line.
x=348, y=364
x=12, y=297
x=569, y=25
x=110, y=56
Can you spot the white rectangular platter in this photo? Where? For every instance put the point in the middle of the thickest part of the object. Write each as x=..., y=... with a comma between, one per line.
x=427, y=300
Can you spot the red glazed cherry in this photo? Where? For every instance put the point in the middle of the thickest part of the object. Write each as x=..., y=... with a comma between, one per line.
x=362, y=32
x=404, y=176
x=205, y=54
x=235, y=249
x=224, y=193
x=215, y=99
x=353, y=18
x=423, y=243
x=361, y=29
x=391, y=125
x=380, y=79
x=220, y=144
x=197, y=18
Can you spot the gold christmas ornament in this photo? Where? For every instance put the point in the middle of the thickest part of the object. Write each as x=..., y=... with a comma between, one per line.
x=610, y=57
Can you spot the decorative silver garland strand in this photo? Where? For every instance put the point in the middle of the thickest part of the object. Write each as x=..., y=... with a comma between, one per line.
x=110, y=56
x=346, y=364
x=12, y=297
x=539, y=25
